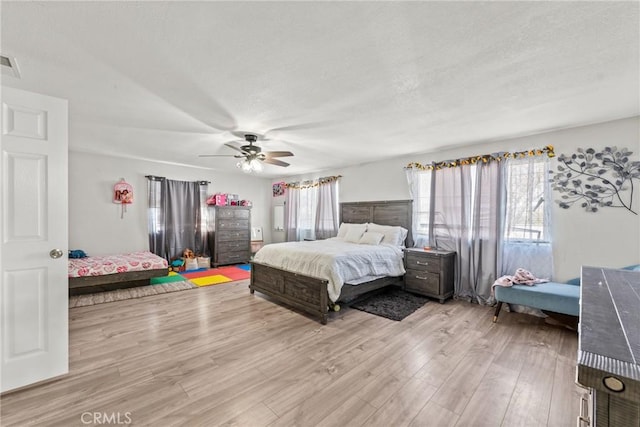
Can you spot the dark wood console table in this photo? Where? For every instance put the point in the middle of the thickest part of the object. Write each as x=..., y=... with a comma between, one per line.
x=609, y=347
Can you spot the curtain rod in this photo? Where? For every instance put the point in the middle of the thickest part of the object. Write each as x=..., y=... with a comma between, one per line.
x=484, y=158
x=161, y=178
x=313, y=182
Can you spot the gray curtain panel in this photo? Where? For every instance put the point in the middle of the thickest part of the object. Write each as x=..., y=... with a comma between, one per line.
x=465, y=203
x=291, y=204
x=326, y=224
x=176, y=220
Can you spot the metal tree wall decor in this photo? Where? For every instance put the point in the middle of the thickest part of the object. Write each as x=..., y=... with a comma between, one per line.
x=596, y=179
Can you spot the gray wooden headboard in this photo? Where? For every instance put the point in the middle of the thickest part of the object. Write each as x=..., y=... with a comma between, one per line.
x=385, y=212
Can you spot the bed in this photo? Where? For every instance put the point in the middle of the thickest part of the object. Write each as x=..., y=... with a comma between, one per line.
x=313, y=293
x=108, y=272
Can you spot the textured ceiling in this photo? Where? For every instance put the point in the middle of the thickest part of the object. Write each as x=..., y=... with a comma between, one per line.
x=337, y=83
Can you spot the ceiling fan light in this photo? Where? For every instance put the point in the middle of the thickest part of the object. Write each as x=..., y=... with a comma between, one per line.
x=256, y=165
x=246, y=167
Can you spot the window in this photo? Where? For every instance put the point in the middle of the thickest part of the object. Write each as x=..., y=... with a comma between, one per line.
x=423, y=203
x=527, y=186
x=307, y=212
x=526, y=213
x=312, y=209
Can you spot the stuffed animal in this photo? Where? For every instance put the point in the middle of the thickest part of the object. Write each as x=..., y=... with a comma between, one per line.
x=77, y=253
x=188, y=253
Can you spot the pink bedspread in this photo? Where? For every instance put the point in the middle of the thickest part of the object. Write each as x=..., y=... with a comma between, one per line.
x=111, y=264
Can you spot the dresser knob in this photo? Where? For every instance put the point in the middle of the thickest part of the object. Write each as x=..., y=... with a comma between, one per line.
x=422, y=263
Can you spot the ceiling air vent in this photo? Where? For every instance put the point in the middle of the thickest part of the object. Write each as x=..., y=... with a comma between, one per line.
x=9, y=66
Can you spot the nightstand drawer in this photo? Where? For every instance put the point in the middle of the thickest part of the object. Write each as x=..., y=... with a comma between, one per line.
x=422, y=281
x=423, y=262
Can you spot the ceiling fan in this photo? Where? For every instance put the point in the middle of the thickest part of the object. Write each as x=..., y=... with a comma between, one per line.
x=252, y=154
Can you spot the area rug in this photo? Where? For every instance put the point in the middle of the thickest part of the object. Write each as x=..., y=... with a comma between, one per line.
x=392, y=303
x=130, y=293
x=216, y=276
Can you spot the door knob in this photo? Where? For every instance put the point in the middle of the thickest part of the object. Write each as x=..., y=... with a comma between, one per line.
x=55, y=253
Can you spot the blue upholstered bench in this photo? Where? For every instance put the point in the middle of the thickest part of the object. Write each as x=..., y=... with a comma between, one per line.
x=551, y=296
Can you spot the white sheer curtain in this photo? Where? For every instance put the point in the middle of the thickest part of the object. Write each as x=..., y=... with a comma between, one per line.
x=527, y=218
x=420, y=191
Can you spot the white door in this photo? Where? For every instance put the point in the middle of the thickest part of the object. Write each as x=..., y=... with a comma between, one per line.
x=33, y=239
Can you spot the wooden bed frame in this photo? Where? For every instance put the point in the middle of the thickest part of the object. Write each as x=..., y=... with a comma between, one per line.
x=109, y=282
x=309, y=294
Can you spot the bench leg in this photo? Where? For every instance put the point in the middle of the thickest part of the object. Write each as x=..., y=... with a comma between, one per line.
x=495, y=315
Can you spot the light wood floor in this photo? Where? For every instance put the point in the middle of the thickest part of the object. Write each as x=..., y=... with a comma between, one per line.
x=220, y=356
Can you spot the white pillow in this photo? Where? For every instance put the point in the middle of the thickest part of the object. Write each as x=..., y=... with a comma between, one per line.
x=371, y=238
x=342, y=231
x=345, y=227
x=355, y=233
x=393, y=234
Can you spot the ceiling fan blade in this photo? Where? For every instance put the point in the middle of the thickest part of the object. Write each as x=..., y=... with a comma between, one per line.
x=270, y=154
x=218, y=155
x=302, y=126
x=235, y=147
x=276, y=162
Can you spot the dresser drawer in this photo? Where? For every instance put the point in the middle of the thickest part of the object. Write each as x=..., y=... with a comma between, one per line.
x=238, y=213
x=224, y=235
x=422, y=281
x=234, y=257
x=423, y=262
x=233, y=224
x=233, y=245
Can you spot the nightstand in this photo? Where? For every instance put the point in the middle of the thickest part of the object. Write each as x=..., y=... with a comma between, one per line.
x=429, y=272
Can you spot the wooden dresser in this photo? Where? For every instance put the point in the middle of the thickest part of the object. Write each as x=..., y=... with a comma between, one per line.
x=609, y=347
x=429, y=273
x=229, y=234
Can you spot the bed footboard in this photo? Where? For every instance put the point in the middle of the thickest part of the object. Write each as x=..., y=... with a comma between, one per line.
x=305, y=293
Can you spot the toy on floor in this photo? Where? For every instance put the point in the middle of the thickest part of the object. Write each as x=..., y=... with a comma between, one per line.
x=177, y=265
x=190, y=260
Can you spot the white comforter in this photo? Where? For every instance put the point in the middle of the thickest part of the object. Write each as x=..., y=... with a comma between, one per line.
x=334, y=259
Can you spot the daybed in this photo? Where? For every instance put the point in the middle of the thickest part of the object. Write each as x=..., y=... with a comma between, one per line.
x=315, y=293
x=101, y=273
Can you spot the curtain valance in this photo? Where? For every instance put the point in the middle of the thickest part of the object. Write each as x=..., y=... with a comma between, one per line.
x=162, y=178
x=313, y=183
x=484, y=158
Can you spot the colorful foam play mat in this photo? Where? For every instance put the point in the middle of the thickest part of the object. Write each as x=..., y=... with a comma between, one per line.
x=170, y=278
x=215, y=276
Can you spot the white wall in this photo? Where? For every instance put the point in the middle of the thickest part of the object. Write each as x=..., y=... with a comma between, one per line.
x=95, y=225
x=608, y=238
